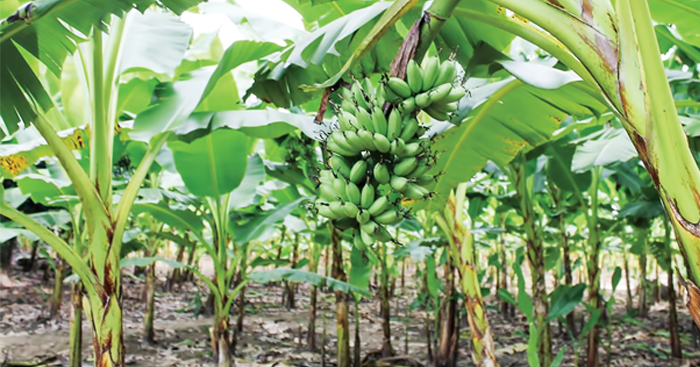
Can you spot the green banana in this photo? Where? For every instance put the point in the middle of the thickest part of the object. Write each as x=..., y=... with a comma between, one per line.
x=405, y=166
x=423, y=99
x=398, y=183
x=340, y=139
x=431, y=71
x=437, y=115
x=399, y=87
x=379, y=121
x=347, y=121
x=381, y=234
x=367, y=238
x=358, y=242
x=407, y=106
x=334, y=147
x=411, y=150
x=398, y=147
x=369, y=227
x=364, y=119
x=414, y=76
x=448, y=73
x=326, y=211
x=421, y=169
x=379, y=206
x=416, y=192
x=351, y=210
x=393, y=124
x=348, y=106
x=339, y=187
x=381, y=143
x=410, y=126
x=363, y=217
x=358, y=172
x=337, y=208
x=339, y=165
x=425, y=180
x=327, y=192
x=354, y=140
x=367, y=196
x=380, y=95
x=440, y=92
x=353, y=193
x=391, y=216
x=367, y=139
x=381, y=173
x=456, y=93
x=445, y=107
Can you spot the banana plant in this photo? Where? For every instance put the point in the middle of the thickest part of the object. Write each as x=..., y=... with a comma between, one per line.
x=462, y=250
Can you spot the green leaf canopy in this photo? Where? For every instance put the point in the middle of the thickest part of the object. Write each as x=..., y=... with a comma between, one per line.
x=212, y=165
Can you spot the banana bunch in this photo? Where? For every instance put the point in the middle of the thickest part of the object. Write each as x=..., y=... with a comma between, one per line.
x=379, y=159
x=428, y=87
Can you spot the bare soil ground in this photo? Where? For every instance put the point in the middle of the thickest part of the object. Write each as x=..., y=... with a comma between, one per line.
x=275, y=336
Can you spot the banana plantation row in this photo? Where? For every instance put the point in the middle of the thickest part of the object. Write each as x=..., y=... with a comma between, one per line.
x=498, y=146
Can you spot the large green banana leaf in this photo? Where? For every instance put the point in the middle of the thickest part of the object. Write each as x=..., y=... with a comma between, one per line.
x=507, y=117
x=52, y=32
x=685, y=14
x=214, y=164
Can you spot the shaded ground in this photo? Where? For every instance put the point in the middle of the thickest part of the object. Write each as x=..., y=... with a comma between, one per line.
x=274, y=335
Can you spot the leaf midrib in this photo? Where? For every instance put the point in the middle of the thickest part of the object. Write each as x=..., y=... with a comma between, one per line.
x=683, y=7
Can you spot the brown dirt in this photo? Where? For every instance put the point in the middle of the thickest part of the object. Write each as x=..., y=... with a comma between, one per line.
x=273, y=334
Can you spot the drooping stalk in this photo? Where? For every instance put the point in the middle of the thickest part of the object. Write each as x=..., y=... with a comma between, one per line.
x=593, y=265
x=385, y=305
x=75, y=348
x=535, y=256
x=341, y=303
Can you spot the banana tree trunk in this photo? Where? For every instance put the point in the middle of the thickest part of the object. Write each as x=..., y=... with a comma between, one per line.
x=357, y=347
x=311, y=326
x=535, y=256
x=483, y=349
x=221, y=337
x=629, y=304
x=341, y=303
x=593, y=265
x=502, y=274
x=642, y=285
x=385, y=305
x=105, y=315
x=447, y=338
x=75, y=358
x=57, y=295
x=674, y=334
x=290, y=303
x=149, y=335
